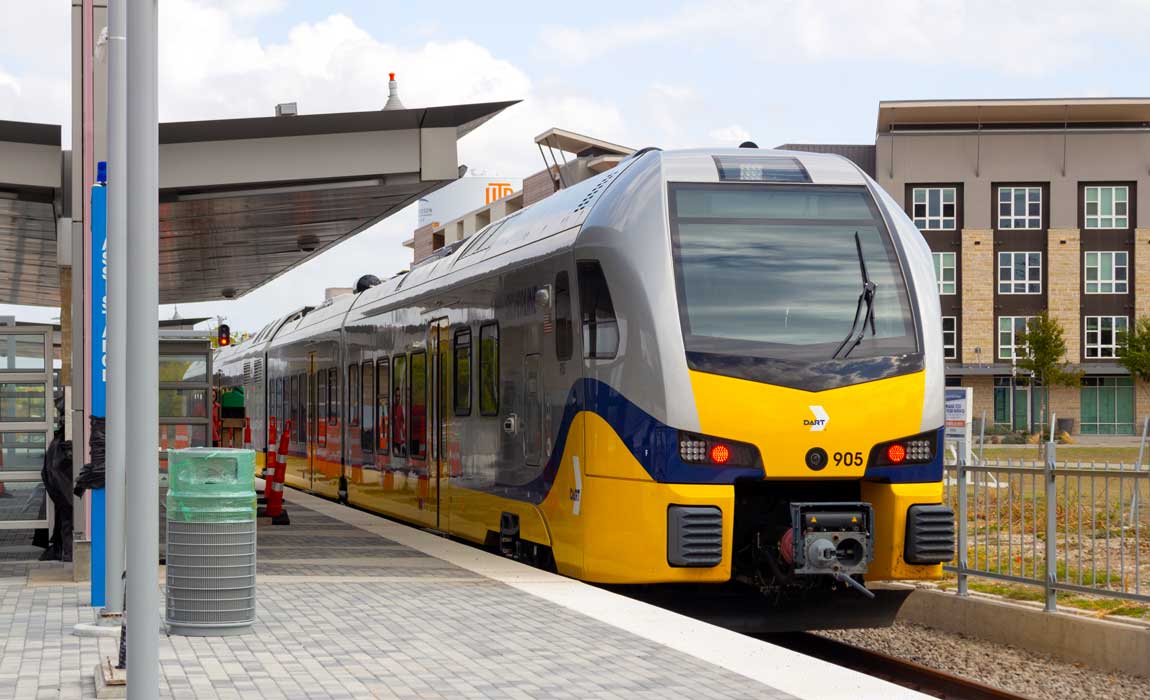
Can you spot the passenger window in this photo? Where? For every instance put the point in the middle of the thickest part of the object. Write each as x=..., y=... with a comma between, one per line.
x=563, y=331
x=367, y=421
x=353, y=395
x=418, y=405
x=462, y=378
x=382, y=381
x=489, y=370
x=293, y=407
x=277, y=387
x=333, y=396
x=321, y=411
x=398, y=415
x=600, y=327
x=305, y=389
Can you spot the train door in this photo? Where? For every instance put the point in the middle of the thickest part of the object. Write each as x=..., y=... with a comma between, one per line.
x=439, y=349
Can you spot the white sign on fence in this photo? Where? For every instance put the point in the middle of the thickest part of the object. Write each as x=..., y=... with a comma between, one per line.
x=959, y=410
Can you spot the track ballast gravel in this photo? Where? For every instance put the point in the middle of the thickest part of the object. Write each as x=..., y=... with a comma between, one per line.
x=1020, y=671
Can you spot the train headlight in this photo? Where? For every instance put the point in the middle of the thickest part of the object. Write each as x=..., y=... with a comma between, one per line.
x=709, y=451
x=916, y=449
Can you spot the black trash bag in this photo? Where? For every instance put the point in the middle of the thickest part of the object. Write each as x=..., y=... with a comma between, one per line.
x=92, y=475
x=57, y=477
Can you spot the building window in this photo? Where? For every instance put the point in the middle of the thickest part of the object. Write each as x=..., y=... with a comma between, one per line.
x=949, y=337
x=945, y=273
x=1106, y=272
x=1019, y=207
x=933, y=208
x=1020, y=273
x=1108, y=206
x=1107, y=406
x=1102, y=335
x=1010, y=332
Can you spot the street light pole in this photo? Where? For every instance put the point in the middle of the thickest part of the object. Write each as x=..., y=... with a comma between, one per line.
x=117, y=302
x=142, y=393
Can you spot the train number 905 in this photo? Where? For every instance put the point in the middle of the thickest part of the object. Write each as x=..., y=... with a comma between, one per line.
x=849, y=459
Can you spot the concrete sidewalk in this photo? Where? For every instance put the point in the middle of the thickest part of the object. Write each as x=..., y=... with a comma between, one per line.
x=351, y=605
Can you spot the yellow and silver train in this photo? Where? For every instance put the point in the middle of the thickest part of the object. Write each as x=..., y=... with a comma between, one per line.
x=703, y=366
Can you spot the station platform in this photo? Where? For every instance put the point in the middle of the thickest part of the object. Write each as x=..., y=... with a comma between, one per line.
x=352, y=605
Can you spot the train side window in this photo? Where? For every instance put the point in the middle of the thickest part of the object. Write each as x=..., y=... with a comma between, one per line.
x=563, y=331
x=353, y=395
x=367, y=420
x=333, y=395
x=600, y=327
x=489, y=369
x=321, y=410
x=304, y=395
x=277, y=406
x=398, y=415
x=418, y=403
x=382, y=385
x=461, y=380
x=293, y=407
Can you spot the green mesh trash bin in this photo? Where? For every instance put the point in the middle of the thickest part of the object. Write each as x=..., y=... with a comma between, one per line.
x=211, y=541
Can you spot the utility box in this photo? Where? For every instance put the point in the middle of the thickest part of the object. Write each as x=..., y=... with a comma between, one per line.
x=211, y=541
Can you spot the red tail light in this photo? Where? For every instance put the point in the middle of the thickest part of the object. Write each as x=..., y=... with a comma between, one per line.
x=896, y=453
x=720, y=454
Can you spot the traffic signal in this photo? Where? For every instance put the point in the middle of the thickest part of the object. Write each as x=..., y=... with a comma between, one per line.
x=224, y=338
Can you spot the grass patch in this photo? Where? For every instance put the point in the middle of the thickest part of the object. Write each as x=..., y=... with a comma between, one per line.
x=1012, y=591
x=1066, y=453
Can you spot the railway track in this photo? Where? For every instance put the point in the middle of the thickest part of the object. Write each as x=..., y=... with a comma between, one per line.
x=908, y=674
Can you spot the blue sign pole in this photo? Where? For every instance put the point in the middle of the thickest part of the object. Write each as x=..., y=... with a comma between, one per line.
x=98, y=324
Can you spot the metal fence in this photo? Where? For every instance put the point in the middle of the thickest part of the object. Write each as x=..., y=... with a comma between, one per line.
x=1066, y=527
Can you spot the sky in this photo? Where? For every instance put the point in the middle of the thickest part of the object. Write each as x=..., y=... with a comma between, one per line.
x=640, y=73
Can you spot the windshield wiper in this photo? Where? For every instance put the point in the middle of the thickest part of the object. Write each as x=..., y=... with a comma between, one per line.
x=867, y=297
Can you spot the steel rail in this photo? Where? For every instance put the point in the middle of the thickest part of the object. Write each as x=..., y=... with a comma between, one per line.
x=908, y=674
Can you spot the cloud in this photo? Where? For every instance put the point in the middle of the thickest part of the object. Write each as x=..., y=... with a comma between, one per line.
x=729, y=136
x=1006, y=37
x=212, y=66
x=212, y=69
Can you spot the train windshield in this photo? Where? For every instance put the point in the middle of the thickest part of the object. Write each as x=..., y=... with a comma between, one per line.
x=769, y=281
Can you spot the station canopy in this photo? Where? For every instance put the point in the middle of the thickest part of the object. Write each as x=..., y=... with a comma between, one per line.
x=30, y=177
x=243, y=201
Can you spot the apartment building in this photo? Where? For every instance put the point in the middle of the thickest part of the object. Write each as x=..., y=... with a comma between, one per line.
x=1028, y=206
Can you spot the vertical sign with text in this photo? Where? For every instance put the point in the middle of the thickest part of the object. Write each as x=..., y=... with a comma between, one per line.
x=98, y=371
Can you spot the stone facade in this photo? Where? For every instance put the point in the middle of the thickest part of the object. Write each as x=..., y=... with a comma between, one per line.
x=1065, y=402
x=425, y=240
x=978, y=296
x=983, y=396
x=1064, y=285
x=1141, y=272
x=539, y=186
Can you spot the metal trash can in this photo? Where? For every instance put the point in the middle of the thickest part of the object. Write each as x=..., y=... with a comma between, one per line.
x=211, y=541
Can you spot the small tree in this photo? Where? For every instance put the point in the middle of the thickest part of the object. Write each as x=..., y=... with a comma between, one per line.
x=1045, y=358
x=1134, y=350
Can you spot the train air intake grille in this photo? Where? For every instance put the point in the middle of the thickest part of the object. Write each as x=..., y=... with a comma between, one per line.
x=694, y=536
x=929, y=534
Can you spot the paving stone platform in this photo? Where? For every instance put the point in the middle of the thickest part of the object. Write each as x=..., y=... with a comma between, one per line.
x=355, y=606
